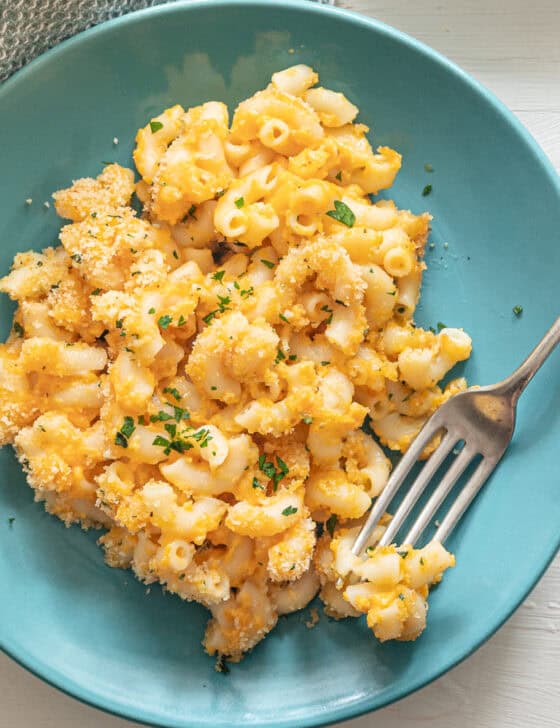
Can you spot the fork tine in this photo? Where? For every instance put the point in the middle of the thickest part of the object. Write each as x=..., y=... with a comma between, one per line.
x=431, y=428
x=418, y=487
x=471, y=488
x=438, y=496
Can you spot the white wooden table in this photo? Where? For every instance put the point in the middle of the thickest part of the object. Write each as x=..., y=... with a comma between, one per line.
x=513, y=47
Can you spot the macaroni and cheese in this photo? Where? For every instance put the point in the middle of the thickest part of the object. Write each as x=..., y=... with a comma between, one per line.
x=194, y=379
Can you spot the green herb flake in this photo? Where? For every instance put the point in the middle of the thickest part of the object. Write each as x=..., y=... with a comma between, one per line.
x=427, y=190
x=192, y=210
x=421, y=561
x=401, y=597
x=307, y=419
x=76, y=257
x=280, y=356
x=292, y=357
x=268, y=263
x=171, y=428
x=239, y=204
x=342, y=213
x=18, y=328
x=289, y=511
x=164, y=321
x=151, y=310
x=325, y=363
x=176, y=255
x=96, y=292
x=120, y=440
x=209, y=317
x=128, y=427
x=440, y=326
x=283, y=318
x=161, y=417
x=338, y=176
x=119, y=323
x=11, y=521
x=218, y=275
x=223, y=303
x=155, y=126
x=256, y=484
x=141, y=420
x=173, y=392
x=180, y=414
x=517, y=310
x=403, y=554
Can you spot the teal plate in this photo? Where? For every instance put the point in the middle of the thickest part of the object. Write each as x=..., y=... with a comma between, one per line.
x=93, y=631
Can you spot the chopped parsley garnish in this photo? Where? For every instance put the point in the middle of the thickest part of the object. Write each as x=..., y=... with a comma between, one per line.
x=223, y=303
x=428, y=168
x=11, y=521
x=307, y=419
x=213, y=388
x=427, y=190
x=141, y=420
x=401, y=596
x=268, y=263
x=182, y=320
x=220, y=193
x=517, y=310
x=289, y=511
x=403, y=554
x=401, y=309
x=161, y=417
x=165, y=320
x=325, y=363
x=245, y=293
x=256, y=484
x=331, y=524
x=292, y=357
x=121, y=440
x=155, y=126
x=180, y=413
x=276, y=474
x=342, y=213
x=190, y=213
x=128, y=427
x=119, y=323
x=283, y=318
x=173, y=392
x=176, y=254
x=440, y=326
x=18, y=328
x=151, y=310
x=339, y=176
x=421, y=561
x=280, y=356
x=171, y=428
x=209, y=316
x=218, y=275
x=94, y=214
x=239, y=203
x=96, y=292
x=76, y=257
x=391, y=293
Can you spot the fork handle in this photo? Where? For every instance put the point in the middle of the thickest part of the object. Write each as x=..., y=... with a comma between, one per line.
x=516, y=382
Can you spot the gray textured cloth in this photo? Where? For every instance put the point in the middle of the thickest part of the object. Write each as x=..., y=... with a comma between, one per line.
x=30, y=27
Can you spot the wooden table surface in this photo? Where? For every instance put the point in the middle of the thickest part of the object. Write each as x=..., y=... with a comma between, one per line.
x=513, y=47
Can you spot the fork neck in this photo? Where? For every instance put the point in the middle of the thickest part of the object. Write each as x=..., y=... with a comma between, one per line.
x=516, y=382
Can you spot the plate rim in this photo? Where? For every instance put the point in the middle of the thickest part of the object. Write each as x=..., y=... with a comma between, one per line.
x=41, y=669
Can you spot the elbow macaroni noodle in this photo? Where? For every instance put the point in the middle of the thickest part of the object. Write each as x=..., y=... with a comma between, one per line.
x=194, y=380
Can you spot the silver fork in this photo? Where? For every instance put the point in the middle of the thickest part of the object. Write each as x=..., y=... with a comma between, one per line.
x=484, y=420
